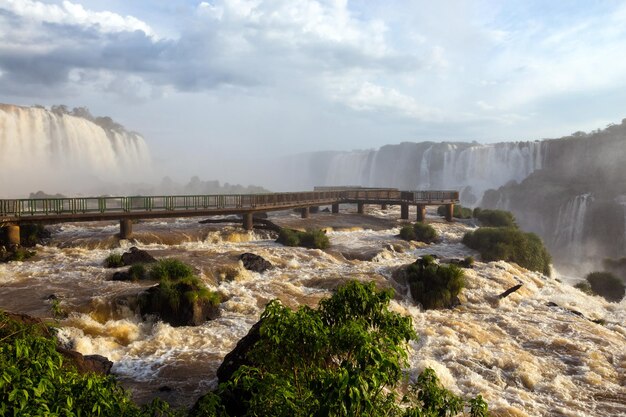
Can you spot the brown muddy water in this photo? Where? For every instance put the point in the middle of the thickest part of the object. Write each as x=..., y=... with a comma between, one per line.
x=525, y=357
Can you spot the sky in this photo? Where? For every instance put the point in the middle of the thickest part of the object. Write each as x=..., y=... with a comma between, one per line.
x=210, y=82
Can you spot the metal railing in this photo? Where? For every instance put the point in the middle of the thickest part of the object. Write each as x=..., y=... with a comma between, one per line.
x=85, y=205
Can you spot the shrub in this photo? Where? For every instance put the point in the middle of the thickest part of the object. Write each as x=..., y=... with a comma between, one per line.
x=495, y=218
x=511, y=245
x=433, y=285
x=18, y=254
x=420, y=232
x=35, y=379
x=33, y=234
x=114, y=260
x=170, y=270
x=343, y=359
x=137, y=272
x=458, y=212
x=314, y=239
x=606, y=285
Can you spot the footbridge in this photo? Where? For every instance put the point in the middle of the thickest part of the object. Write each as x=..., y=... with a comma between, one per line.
x=126, y=209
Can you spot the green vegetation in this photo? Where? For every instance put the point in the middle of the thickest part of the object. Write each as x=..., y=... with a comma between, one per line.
x=178, y=286
x=604, y=284
x=511, y=245
x=433, y=285
x=36, y=380
x=495, y=218
x=343, y=359
x=18, y=254
x=114, y=260
x=313, y=239
x=458, y=212
x=137, y=272
x=420, y=232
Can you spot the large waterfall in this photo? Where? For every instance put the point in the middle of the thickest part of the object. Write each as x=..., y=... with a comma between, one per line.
x=56, y=152
x=437, y=166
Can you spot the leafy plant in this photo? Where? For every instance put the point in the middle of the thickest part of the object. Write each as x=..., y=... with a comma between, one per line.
x=36, y=380
x=433, y=285
x=511, y=245
x=343, y=359
x=458, y=211
x=606, y=285
x=495, y=218
x=420, y=232
x=314, y=239
x=137, y=272
x=114, y=260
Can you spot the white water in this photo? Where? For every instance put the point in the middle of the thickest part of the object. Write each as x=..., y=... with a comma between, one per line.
x=524, y=357
x=569, y=230
x=438, y=166
x=42, y=150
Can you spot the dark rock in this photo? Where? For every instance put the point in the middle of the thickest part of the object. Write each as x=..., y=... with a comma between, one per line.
x=165, y=388
x=510, y=291
x=137, y=256
x=239, y=355
x=326, y=210
x=254, y=262
x=87, y=363
x=185, y=312
x=52, y=297
x=121, y=276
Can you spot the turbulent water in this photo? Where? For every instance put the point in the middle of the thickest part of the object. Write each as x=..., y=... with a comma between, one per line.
x=50, y=151
x=528, y=354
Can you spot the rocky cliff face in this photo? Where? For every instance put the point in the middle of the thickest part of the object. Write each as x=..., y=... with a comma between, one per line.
x=571, y=191
x=66, y=151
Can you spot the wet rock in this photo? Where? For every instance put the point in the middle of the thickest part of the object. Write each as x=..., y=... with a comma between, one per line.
x=509, y=291
x=175, y=307
x=137, y=256
x=87, y=363
x=254, y=262
x=121, y=276
x=239, y=355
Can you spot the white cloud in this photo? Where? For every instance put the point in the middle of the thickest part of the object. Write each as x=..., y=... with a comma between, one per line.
x=69, y=13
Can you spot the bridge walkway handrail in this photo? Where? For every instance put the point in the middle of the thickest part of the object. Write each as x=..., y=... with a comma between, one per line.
x=81, y=205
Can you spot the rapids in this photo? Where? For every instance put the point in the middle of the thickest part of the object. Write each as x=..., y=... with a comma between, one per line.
x=527, y=354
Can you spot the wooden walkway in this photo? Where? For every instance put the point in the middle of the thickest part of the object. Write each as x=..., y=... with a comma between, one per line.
x=125, y=209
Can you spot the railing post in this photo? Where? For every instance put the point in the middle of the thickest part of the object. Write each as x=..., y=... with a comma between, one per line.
x=449, y=212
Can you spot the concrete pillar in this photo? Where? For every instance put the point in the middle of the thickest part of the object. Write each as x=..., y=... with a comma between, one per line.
x=126, y=228
x=404, y=211
x=421, y=212
x=305, y=212
x=360, y=208
x=335, y=208
x=13, y=235
x=383, y=206
x=449, y=212
x=248, y=221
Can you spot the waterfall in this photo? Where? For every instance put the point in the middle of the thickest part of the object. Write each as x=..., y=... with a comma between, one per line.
x=42, y=150
x=570, y=225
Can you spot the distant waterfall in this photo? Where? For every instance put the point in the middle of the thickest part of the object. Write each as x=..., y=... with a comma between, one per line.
x=42, y=150
x=570, y=226
x=437, y=165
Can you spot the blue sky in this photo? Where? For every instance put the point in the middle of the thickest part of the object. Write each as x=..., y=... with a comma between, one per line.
x=209, y=82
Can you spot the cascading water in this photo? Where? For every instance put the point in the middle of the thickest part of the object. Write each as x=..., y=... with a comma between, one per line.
x=569, y=230
x=42, y=150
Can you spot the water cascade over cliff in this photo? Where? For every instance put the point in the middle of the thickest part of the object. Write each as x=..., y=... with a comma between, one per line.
x=60, y=152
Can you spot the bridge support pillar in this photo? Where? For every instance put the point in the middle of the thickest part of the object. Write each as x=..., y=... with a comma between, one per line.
x=383, y=206
x=126, y=228
x=449, y=212
x=360, y=208
x=12, y=235
x=305, y=212
x=421, y=213
x=248, y=221
x=404, y=211
x=335, y=208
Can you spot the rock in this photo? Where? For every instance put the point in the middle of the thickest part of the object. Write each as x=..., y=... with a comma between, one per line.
x=254, y=262
x=121, y=276
x=509, y=291
x=181, y=311
x=87, y=363
x=238, y=356
x=137, y=256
